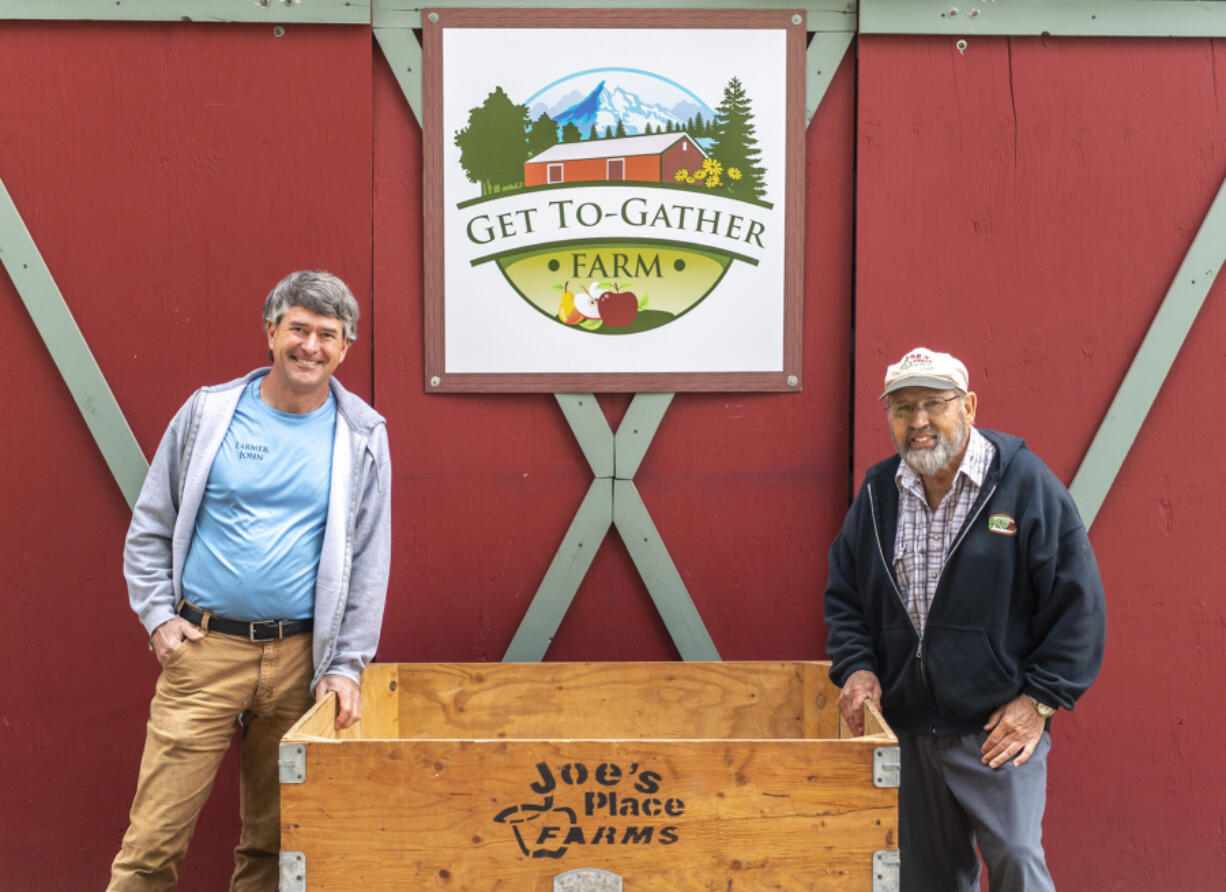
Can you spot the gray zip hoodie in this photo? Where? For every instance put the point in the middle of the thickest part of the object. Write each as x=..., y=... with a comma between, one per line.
x=351, y=587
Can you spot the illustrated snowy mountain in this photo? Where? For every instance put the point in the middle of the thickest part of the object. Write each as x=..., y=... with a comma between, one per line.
x=604, y=107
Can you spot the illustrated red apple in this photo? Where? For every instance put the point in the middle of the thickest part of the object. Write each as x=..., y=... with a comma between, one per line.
x=618, y=308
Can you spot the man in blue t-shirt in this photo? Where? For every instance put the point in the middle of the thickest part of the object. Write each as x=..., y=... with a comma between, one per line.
x=257, y=560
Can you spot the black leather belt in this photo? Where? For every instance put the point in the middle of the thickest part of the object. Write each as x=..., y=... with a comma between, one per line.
x=262, y=630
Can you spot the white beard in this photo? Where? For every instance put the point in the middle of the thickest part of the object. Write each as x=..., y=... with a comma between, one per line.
x=927, y=462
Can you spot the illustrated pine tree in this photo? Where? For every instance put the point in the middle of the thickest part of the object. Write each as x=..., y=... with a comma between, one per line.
x=542, y=134
x=736, y=145
x=570, y=132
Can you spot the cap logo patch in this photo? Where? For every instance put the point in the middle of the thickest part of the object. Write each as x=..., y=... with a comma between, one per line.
x=1003, y=524
x=916, y=360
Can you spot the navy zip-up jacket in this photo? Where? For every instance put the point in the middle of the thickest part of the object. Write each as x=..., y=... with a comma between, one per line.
x=1018, y=608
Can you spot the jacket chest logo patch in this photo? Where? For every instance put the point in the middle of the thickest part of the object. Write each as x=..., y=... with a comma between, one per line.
x=1003, y=524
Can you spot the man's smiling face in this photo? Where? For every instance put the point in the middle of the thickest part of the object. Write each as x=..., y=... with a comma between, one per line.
x=306, y=349
x=929, y=426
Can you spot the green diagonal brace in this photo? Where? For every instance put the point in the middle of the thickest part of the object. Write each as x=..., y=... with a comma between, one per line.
x=638, y=427
x=612, y=499
x=1153, y=361
x=640, y=536
x=822, y=59
x=565, y=574
x=660, y=575
x=402, y=50
x=591, y=430
x=69, y=351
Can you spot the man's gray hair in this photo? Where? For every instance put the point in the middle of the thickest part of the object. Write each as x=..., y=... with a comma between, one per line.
x=317, y=291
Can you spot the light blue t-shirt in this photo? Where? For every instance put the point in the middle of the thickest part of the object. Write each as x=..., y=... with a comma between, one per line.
x=260, y=530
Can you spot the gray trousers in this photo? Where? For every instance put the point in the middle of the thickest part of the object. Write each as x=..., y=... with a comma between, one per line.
x=949, y=801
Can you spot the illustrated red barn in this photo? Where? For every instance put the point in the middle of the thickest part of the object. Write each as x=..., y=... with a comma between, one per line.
x=653, y=158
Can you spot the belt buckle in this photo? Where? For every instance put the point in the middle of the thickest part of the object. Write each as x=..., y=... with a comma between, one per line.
x=262, y=623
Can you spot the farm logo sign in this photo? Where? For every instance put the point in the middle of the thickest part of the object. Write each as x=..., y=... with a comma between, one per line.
x=591, y=258
x=610, y=805
x=639, y=217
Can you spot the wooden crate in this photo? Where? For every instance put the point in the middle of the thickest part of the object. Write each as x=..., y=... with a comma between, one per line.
x=642, y=776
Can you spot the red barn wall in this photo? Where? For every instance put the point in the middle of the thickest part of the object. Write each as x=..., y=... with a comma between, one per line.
x=1025, y=205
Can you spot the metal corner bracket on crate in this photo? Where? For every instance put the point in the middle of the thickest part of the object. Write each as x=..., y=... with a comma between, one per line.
x=887, y=766
x=886, y=865
x=291, y=763
x=292, y=869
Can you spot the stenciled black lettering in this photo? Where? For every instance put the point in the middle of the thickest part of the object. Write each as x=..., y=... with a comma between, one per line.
x=574, y=836
x=648, y=782
x=546, y=783
x=594, y=801
x=668, y=835
x=637, y=835
x=629, y=807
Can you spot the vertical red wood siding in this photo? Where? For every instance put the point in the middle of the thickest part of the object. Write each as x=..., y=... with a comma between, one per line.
x=1026, y=205
x=170, y=174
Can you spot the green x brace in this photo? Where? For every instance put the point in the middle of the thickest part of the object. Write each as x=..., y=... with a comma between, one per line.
x=612, y=500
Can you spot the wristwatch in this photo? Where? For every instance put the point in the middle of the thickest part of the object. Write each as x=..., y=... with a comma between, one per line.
x=1042, y=708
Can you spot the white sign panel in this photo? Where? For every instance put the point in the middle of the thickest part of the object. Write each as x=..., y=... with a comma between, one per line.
x=612, y=207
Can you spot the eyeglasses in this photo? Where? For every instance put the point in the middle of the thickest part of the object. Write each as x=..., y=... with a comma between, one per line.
x=933, y=408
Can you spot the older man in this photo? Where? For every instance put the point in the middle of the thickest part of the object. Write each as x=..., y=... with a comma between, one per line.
x=964, y=598
x=257, y=560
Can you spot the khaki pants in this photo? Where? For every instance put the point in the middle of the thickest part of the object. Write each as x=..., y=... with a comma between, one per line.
x=204, y=687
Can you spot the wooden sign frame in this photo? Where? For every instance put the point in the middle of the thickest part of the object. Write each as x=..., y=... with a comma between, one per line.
x=459, y=357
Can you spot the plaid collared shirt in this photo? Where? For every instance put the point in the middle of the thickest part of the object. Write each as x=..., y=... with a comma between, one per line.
x=925, y=537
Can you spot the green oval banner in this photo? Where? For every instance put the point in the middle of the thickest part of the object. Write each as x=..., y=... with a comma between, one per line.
x=614, y=287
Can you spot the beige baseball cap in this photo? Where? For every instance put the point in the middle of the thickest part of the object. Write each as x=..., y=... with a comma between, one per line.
x=922, y=367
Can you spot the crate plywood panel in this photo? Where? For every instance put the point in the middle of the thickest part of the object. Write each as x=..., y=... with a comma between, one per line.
x=612, y=700
x=671, y=775
x=465, y=815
